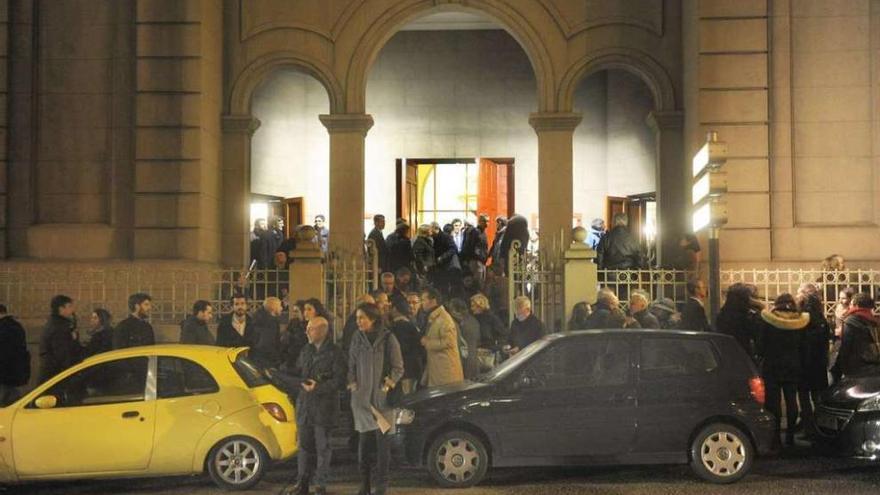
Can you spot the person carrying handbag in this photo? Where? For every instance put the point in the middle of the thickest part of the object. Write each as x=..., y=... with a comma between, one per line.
x=860, y=342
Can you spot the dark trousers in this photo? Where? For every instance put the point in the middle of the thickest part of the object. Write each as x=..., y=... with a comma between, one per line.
x=313, y=459
x=374, y=458
x=808, y=399
x=775, y=393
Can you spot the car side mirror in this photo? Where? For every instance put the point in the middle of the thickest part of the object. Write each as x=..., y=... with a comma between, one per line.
x=46, y=402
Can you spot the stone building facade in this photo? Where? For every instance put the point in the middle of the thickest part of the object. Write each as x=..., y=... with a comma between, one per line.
x=128, y=123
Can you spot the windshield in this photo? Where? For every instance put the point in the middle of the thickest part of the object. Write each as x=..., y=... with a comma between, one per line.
x=511, y=364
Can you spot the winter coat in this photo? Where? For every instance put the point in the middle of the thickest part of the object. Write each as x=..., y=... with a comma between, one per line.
x=409, y=338
x=446, y=253
x=367, y=370
x=517, y=230
x=470, y=332
x=266, y=348
x=423, y=255
x=593, y=237
x=261, y=249
x=857, y=328
x=228, y=336
x=646, y=320
x=814, y=352
x=599, y=318
x=781, y=335
x=742, y=325
x=475, y=246
x=400, y=252
x=693, y=316
x=381, y=248
x=59, y=347
x=195, y=331
x=523, y=333
x=619, y=250
x=326, y=365
x=133, y=332
x=296, y=342
x=101, y=341
x=493, y=333
x=14, y=356
x=444, y=361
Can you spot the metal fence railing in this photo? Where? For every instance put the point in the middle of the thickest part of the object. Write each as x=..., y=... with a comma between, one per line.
x=658, y=283
x=772, y=283
x=347, y=277
x=538, y=274
x=27, y=290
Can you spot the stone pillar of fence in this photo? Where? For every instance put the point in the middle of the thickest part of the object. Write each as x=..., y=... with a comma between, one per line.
x=307, y=268
x=581, y=276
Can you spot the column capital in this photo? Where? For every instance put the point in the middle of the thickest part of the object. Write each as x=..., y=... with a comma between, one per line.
x=554, y=121
x=665, y=120
x=240, y=124
x=347, y=122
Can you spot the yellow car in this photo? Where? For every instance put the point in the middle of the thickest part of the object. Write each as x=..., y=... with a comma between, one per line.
x=150, y=411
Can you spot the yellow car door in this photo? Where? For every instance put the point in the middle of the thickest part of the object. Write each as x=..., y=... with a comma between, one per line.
x=98, y=419
x=188, y=402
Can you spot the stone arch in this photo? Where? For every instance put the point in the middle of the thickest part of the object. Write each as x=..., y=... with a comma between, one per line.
x=628, y=59
x=390, y=22
x=255, y=73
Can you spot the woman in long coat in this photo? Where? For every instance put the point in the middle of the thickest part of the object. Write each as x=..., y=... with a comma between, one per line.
x=375, y=365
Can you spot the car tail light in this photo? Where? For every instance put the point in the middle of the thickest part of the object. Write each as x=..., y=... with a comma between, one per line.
x=756, y=387
x=276, y=411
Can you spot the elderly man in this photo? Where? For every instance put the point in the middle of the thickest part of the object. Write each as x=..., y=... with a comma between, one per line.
x=440, y=342
x=525, y=327
x=606, y=304
x=638, y=310
x=323, y=371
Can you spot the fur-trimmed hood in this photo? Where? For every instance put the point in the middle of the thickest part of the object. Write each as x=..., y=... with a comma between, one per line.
x=786, y=320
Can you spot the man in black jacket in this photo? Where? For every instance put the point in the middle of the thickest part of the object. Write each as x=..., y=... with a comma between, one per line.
x=638, y=310
x=475, y=249
x=693, y=316
x=236, y=329
x=400, y=248
x=194, y=330
x=266, y=347
x=606, y=303
x=135, y=330
x=15, y=360
x=378, y=238
x=322, y=369
x=59, y=344
x=525, y=327
x=618, y=249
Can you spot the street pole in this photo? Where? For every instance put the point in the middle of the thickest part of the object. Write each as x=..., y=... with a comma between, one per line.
x=714, y=274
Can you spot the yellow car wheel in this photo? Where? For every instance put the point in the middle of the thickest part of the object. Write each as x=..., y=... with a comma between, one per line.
x=237, y=463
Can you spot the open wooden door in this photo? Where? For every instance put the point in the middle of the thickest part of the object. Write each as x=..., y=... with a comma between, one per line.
x=495, y=196
x=293, y=211
x=408, y=192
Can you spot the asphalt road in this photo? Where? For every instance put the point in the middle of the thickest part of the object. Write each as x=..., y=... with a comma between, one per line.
x=797, y=471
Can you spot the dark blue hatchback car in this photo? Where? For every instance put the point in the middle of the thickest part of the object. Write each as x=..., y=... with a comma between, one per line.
x=599, y=397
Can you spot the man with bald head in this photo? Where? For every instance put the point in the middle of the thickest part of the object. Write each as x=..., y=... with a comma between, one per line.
x=322, y=368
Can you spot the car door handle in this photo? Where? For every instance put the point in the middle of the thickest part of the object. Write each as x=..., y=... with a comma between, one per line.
x=130, y=414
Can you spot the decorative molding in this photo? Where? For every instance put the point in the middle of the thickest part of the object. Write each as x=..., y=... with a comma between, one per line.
x=555, y=121
x=330, y=35
x=654, y=26
x=239, y=124
x=337, y=123
x=665, y=120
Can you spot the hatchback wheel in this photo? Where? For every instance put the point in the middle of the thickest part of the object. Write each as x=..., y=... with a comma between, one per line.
x=721, y=453
x=458, y=459
x=237, y=463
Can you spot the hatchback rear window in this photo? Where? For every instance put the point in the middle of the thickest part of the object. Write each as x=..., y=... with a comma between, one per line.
x=664, y=358
x=251, y=375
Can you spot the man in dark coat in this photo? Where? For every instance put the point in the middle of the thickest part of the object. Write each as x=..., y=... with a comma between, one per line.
x=15, y=360
x=693, y=316
x=266, y=347
x=194, y=329
x=59, y=344
x=517, y=230
x=860, y=328
x=447, y=272
x=322, y=368
x=638, y=309
x=606, y=304
x=261, y=245
x=276, y=235
x=135, y=330
x=378, y=239
x=475, y=249
x=495, y=248
x=525, y=327
x=618, y=249
x=236, y=329
x=400, y=248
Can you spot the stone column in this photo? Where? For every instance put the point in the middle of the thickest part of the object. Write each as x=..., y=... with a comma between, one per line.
x=555, y=191
x=348, y=134
x=237, y=133
x=581, y=277
x=307, y=269
x=673, y=182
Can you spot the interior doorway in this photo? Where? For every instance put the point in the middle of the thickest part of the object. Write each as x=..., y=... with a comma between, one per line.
x=442, y=189
x=641, y=211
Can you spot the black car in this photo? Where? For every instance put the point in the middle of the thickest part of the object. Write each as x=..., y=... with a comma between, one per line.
x=600, y=397
x=848, y=417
